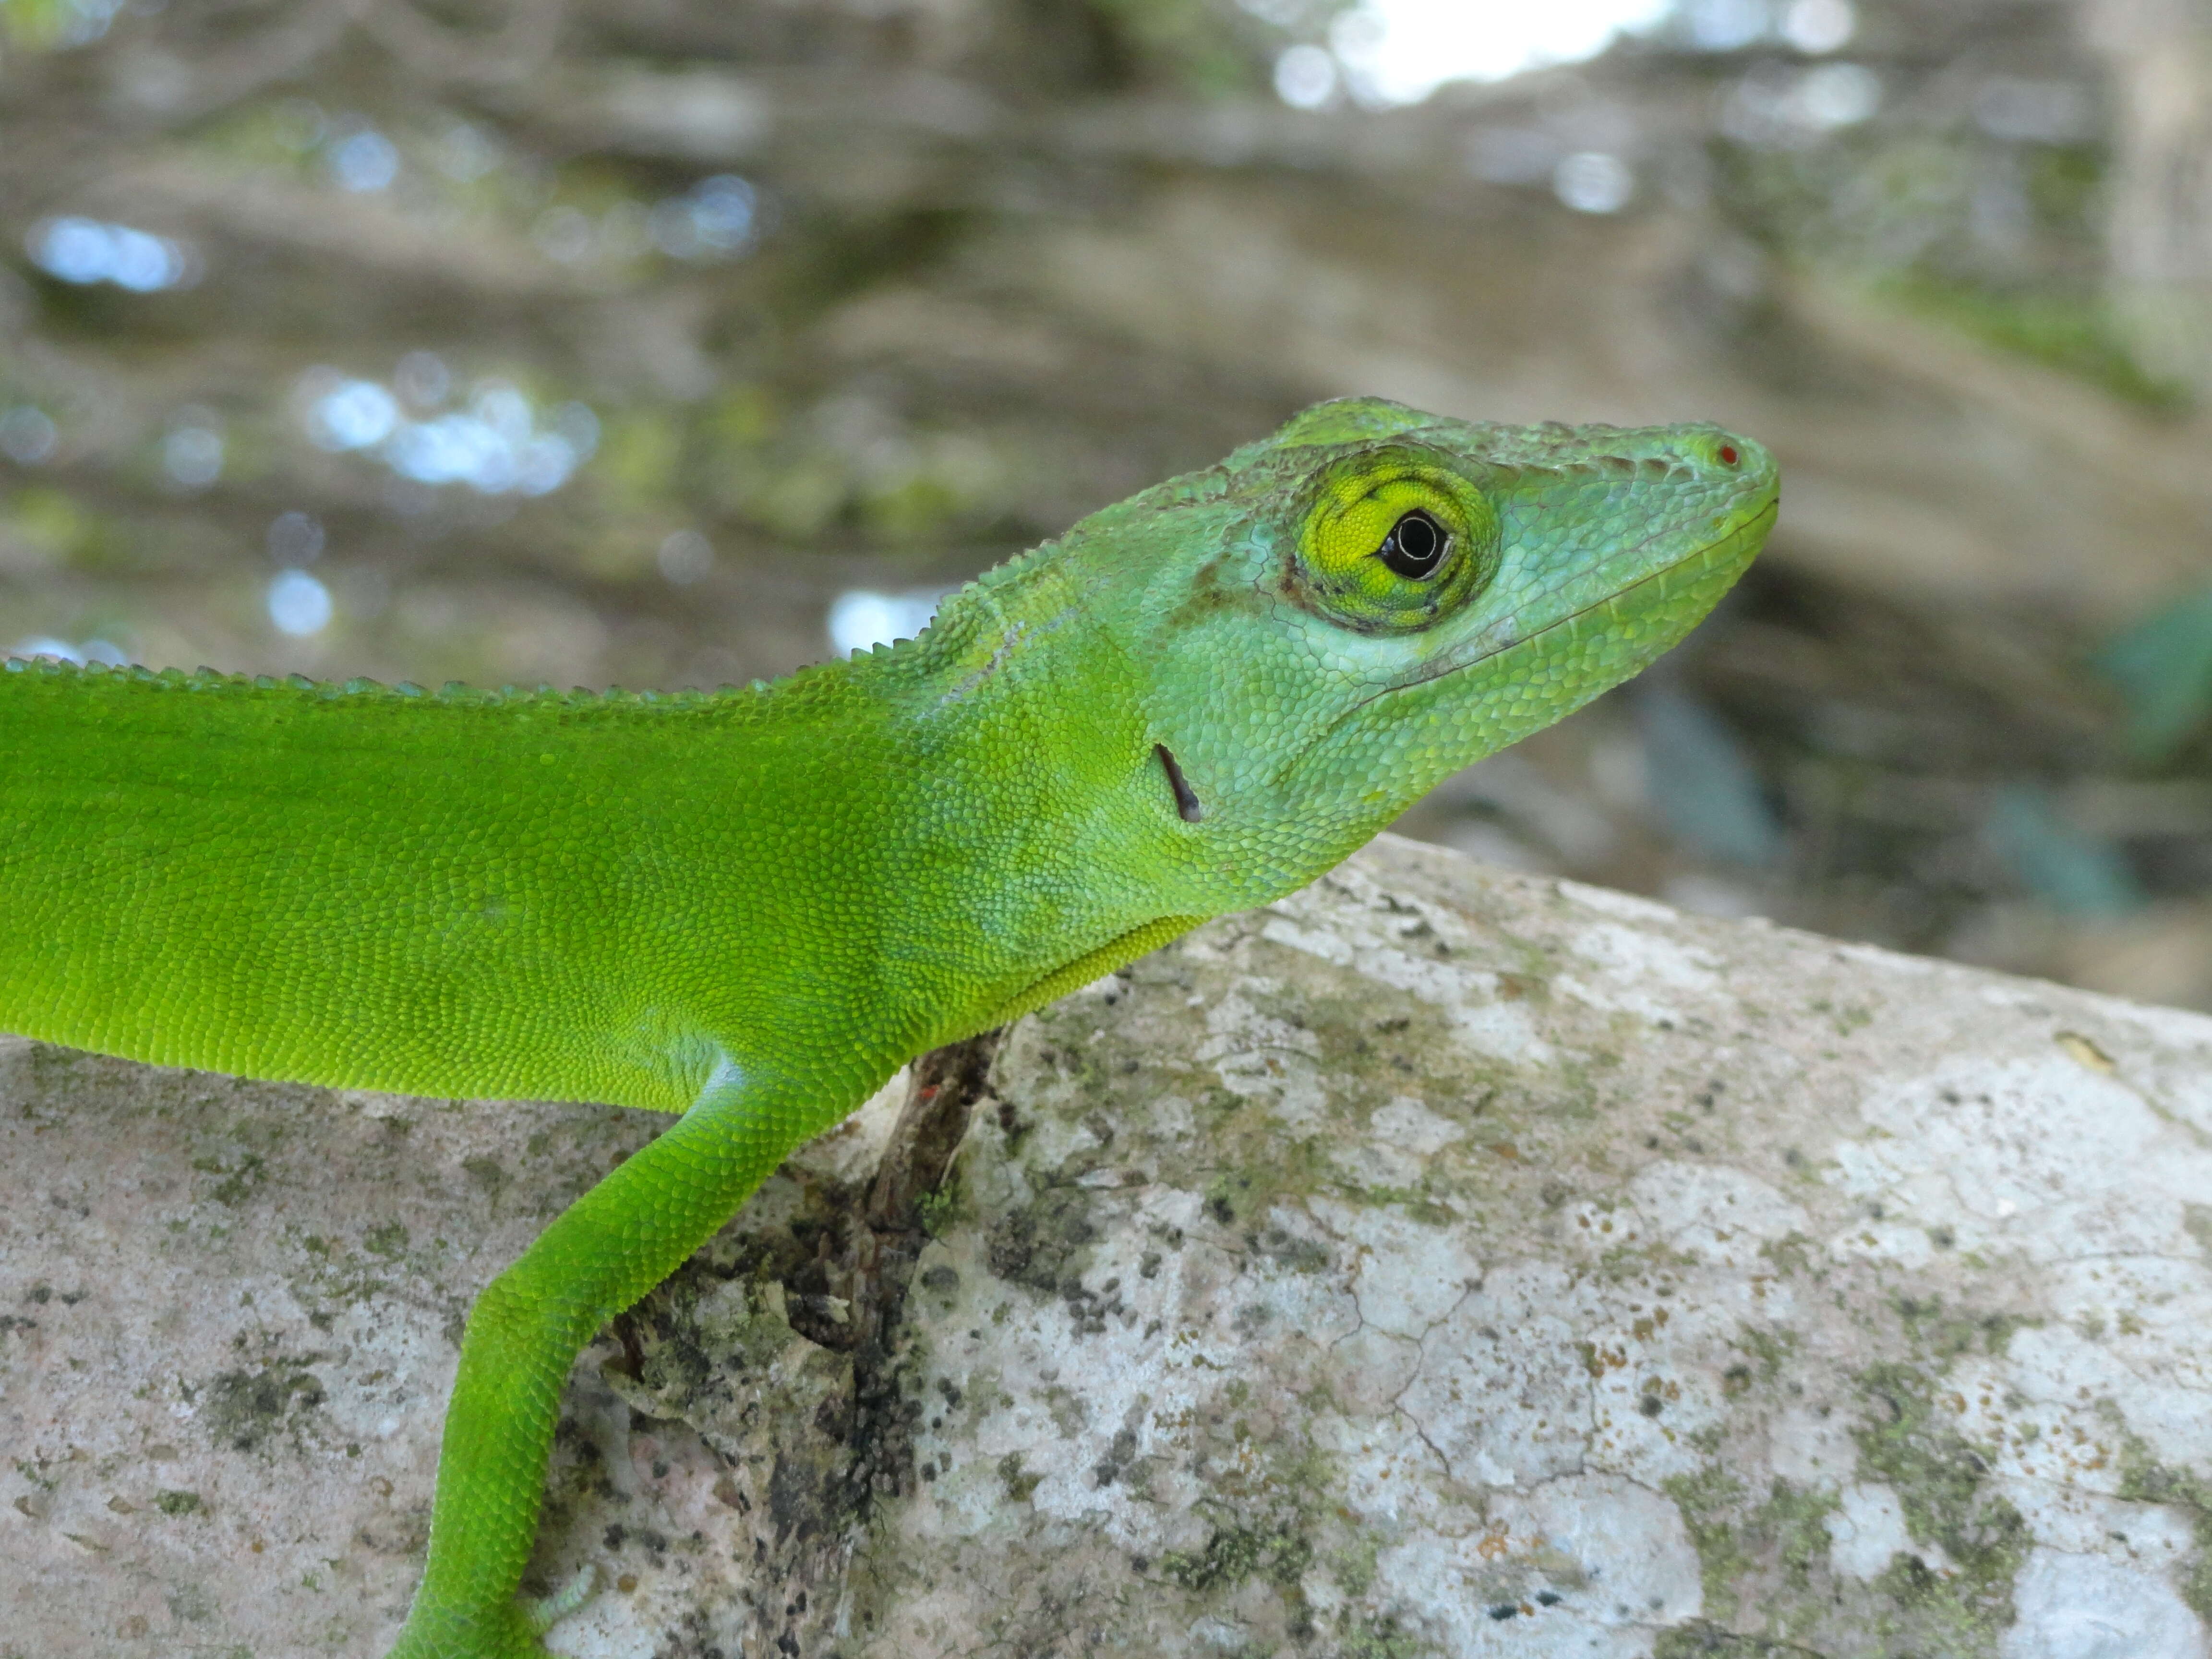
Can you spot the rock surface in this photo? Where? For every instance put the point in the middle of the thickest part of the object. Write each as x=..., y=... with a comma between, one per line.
x=1436, y=1262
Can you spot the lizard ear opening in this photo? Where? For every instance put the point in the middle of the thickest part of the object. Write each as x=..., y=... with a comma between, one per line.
x=1188, y=807
x=1392, y=541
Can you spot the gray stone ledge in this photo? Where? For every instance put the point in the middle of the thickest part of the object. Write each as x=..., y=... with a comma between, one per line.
x=1438, y=1263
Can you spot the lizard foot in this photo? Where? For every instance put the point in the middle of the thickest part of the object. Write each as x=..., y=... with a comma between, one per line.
x=511, y=1634
x=543, y=1611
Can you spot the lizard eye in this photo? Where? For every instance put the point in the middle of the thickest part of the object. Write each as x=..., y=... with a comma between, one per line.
x=1392, y=540
x=1416, y=545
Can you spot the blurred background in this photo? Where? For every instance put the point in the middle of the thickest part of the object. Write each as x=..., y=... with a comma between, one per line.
x=679, y=342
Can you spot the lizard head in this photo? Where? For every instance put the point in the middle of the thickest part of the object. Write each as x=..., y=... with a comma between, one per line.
x=1340, y=616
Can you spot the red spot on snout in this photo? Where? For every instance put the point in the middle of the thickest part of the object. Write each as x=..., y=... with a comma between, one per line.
x=1728, y=457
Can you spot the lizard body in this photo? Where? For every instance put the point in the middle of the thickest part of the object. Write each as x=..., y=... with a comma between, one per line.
x=750, y=907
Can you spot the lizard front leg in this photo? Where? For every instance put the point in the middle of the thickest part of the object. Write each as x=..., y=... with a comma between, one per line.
x=600, y=1256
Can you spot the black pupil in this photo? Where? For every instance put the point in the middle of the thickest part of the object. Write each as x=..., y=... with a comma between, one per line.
x=1415, y=545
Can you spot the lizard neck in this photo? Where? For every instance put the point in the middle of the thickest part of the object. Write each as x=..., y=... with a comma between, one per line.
x=1032, y=807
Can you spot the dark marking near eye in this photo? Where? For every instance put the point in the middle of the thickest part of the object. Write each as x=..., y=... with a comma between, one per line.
x=1186, y=801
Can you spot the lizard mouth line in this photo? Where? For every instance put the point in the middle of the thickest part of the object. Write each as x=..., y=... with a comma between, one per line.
x=1447, y=666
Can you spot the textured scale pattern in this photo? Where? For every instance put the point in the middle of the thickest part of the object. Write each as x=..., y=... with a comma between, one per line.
x=751, y=906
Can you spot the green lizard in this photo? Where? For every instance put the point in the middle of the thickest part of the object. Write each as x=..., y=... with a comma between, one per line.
x=750, y=908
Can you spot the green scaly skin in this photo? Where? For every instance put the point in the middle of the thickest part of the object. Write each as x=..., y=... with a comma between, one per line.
x=751, y=907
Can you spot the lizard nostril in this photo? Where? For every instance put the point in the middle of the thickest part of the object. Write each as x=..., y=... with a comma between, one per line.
x=1728, y=455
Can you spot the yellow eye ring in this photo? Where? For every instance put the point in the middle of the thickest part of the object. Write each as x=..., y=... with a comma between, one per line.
x=1392, y=540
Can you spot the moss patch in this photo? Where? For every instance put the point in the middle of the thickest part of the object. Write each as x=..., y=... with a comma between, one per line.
x=1383, y=1639
x=1233, y=1554
x=242, y=1409
x=1701, y=1640
x=1939, y=1478
x=2144, y=1480
x=1747, y=1553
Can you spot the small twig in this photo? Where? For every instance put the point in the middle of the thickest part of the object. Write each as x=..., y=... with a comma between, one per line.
x=944, y=1087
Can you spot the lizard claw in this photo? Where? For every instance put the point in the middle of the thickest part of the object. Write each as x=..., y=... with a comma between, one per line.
x=545, y=1611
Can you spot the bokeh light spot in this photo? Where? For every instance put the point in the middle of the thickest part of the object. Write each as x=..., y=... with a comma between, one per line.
x=27, y=436
x=364, y=161
x=191, y=452
x=1306, y=76
x=498, y=445
x=423, y=380
x=294, y=538
x=1591, y=181
x=1839, y=96
x=718, y=218
x=85, y=250
x=861, y=618
x=1398, y=51
x=299, y=605
x=1726, y=25
x=1818, y=25
x=353, y=415
x=465, y=153
x=92, y=650
x=686, y=557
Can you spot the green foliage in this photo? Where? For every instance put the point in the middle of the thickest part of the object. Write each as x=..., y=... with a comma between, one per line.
x=1704, y=780
x=1203, y=45
x=55, y=524
x=2074, y=873
x=2163, y=668
x=2076, y=335
x=37, y=25
x=640, y=451
x=2065, y=185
